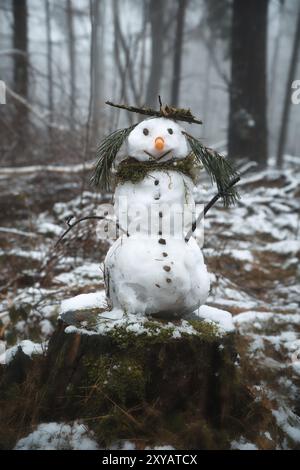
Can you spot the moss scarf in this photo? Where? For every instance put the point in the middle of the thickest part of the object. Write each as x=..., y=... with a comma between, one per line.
x=135, y=171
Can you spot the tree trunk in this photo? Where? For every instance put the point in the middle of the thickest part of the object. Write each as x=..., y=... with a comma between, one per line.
x=97, y=68
x=182, y=4
x=20, y=43
x=72, y=61
x=247, y=137
x=49, y=63
x=287, y=100
x=156, y=16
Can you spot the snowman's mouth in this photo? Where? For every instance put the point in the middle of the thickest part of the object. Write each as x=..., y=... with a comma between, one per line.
x=157, y=159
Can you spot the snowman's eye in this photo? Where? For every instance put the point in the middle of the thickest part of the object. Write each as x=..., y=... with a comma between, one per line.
x=145, y=131
x=170, y=131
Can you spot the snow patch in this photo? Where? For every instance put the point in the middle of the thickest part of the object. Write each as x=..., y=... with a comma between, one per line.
x=242, y=444
x=222, y=318
x=28, y=347
x=84, y=301
x=58, y=436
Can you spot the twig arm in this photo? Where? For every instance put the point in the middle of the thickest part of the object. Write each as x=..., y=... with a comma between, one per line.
x=90, y=217
x=208, y=206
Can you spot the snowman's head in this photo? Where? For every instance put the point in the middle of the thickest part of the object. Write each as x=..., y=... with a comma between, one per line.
x=160, y=139
x=157, y=139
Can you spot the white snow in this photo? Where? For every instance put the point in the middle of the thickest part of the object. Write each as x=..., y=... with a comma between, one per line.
x=84, y=301
x=289, y=422
x=242, y=444
x=14, y=231
x=252, y=316
x=285, y=247
x=278, y=318
x=58, y=436
x=28, y=347
x=81, y=275
x=222, y=318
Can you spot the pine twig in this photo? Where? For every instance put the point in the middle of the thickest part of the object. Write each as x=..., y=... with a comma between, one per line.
x=165, y=111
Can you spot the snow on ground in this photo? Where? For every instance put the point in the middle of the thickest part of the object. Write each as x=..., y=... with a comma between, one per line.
x=242, y=444
x=28, y=347
x=252, y=252
x=58, y=436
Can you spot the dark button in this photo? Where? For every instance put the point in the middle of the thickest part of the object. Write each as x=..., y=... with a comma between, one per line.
x=156, y=182
x=165, y=254
x=160, y=214
x=156, y=198
x=159, y=233
x=157, y=285
x=167, y=268
x=168, y=280
x=162, y=241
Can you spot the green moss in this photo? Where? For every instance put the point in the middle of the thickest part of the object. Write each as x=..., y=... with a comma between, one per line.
x=160, y=332
x=121, y=379
x=135, y=171
x=207, y=331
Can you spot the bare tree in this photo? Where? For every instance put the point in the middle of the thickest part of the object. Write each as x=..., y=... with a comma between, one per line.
x=97, y=66
x=20, y=43
x=247, y=136
x=156, y=17
x=72, y=60
x=49, y=61
x=287, y=99
x=179, y=33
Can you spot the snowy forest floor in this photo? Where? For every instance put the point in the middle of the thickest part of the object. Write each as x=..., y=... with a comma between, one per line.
x=252, y=251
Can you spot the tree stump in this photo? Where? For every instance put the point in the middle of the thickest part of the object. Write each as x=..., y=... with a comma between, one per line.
x=154, y=383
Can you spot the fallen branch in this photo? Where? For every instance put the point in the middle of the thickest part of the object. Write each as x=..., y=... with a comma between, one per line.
x=49, y=168
x=33, y=110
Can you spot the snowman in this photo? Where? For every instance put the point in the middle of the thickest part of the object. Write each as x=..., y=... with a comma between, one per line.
x=152, y=269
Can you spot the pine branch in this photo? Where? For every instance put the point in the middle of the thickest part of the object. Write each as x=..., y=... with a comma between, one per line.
x=220, y=169
x=106, y=154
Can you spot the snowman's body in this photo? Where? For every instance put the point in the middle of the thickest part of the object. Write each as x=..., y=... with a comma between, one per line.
x=152, y=270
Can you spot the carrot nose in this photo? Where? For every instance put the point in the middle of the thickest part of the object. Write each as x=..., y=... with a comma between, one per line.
x=159, y=143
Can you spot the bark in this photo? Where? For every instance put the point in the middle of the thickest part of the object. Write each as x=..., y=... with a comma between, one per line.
x=98, y=66
x=156, y=17
x=247, y=136
x=20, y=43
x=72, y=61
x=287, y=101
x=182, y=4
x=49, y=63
